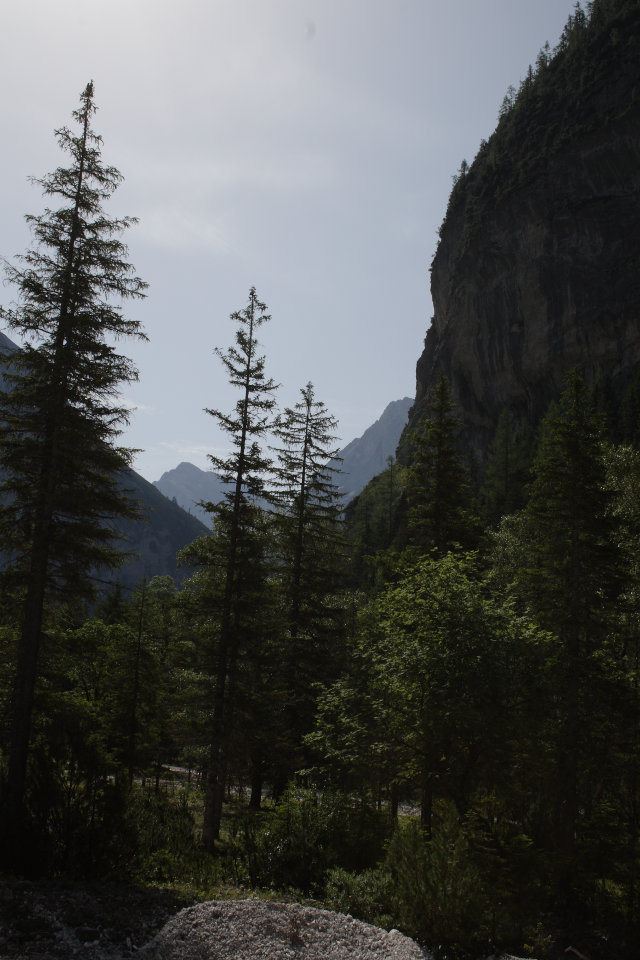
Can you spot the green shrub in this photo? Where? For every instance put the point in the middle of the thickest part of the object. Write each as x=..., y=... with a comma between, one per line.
x=438, y=894
x=293, y=845
x=161, y=822
x=165, y=848
x=475, y=887
x=369, y=895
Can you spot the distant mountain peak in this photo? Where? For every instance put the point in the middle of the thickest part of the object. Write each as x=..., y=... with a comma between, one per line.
x=362, y=459
x=189, y=485
x=6, y=344
x=367, y=456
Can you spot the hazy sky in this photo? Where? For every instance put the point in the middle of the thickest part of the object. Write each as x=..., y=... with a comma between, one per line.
x=304, y=147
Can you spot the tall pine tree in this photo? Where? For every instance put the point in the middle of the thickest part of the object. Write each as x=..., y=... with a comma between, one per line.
x=310, y=548
x=572, y=581
x=507, y=469
x=60, y=416
x=306, y=489
x=240, y=534
x=438, y=487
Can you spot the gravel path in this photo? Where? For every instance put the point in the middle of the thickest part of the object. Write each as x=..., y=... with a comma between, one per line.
x=265, y=930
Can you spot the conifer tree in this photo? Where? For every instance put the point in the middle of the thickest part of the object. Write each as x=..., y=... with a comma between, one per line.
x=60, y=416
x=306, y=490
x=572, y=581
x=240, y=532
x=438, y=488
x=506, y=472
x=310, y=549
x=574, y=573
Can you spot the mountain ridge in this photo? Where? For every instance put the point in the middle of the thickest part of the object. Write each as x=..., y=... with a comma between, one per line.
x=362, y=459
x=366, y=456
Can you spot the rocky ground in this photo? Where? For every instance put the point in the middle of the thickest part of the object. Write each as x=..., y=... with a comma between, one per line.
x=113, y=923
x=102, y=923
x=266, y=930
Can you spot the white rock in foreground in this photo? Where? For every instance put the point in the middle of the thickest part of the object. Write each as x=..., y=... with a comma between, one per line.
x=265, y=930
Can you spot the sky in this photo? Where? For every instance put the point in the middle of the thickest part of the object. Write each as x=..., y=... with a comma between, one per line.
x=304, y=147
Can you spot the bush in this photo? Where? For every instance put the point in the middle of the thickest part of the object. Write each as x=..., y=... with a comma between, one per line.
x=431, y=889
x=305, y=835
x=369, y=895
x=439, y=898
x=165, y=845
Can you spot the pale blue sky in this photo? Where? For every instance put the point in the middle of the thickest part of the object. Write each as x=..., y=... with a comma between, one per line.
x=302, y=146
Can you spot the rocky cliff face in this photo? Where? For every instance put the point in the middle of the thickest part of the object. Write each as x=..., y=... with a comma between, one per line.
x=538, y=266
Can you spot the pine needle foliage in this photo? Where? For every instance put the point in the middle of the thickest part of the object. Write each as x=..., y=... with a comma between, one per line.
x=438, y=489
x=306, y=491
x=311, y=560
x=60, y=413
x=240, y=534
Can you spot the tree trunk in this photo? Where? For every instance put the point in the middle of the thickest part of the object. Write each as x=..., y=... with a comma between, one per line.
x=24, y=689
x=256, y=785
x=426, y=806
x=394, y=801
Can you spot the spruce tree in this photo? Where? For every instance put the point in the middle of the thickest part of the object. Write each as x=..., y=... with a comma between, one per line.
x=572, y=581
x=305, y=488
x=311, y=554
x=240, y=533
x=60, y=416
x=506, y=471
x=438, y=488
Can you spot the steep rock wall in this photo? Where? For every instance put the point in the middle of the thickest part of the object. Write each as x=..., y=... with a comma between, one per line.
x=547, y=276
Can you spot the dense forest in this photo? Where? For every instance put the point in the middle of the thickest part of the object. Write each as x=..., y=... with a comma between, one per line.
x=423, y=711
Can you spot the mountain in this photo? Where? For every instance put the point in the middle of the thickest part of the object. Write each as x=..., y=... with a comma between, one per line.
x=7, y=347
x=365, y=457
x=362, y=459
x=163, y=529
x=153, y=540
x=536, y=271
x=188, y=485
